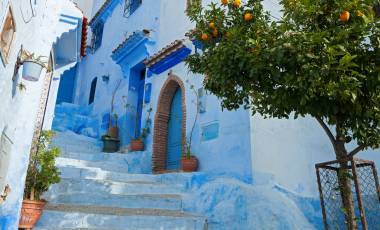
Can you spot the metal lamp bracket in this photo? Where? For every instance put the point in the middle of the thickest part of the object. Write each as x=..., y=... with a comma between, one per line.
x=4, y=195
x=24, y=55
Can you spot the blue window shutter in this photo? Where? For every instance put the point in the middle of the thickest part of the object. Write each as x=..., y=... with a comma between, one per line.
x=98, y=35
x=127, y=7
x=135, y=4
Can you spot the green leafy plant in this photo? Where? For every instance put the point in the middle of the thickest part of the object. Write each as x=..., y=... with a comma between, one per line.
x=188, y=153
x=112, y=113
x=116, y=118
x=321, y=59
x=21, y=86
x=148, y=121
x=42, y=172
x=41, y=60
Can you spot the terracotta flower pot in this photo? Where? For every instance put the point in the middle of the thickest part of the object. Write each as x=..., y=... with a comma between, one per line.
x=113, y=132
x=137, y=145
x=189, y=165
x=31, y=212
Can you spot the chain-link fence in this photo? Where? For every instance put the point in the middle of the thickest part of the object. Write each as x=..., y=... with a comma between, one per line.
x=365, y=190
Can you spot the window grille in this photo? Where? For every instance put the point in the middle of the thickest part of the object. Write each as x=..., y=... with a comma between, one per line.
x=131, y=6
x=97, y=36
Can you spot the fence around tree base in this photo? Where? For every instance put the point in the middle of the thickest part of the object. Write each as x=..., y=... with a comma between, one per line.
x=365, y=190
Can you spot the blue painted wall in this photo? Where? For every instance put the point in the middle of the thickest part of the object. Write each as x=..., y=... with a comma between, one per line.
x=66, y=86
x=226, y=151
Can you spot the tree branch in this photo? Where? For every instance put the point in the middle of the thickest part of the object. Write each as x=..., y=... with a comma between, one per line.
x=327, y=130
x=356, y=150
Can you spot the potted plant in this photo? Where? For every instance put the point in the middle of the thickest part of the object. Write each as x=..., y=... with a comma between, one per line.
x=32, y=67
x=113, y=129
x=190, y=162
x=137, y=143
x=110, y=144
x=42, y=173
x=111, y=141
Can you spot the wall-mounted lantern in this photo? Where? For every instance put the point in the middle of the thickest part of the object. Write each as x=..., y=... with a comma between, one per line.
x=32, y=65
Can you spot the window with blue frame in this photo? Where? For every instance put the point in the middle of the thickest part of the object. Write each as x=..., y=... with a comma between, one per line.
x=92, y=91
x=97, y=35
x=131, y=6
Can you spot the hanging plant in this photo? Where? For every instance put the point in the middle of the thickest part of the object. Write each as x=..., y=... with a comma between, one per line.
x=32, y=66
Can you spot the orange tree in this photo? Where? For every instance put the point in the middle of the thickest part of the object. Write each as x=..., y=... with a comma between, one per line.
x=320, y=59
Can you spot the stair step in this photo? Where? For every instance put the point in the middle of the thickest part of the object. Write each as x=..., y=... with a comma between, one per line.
x=100, y=174
x=120, y=166
x=75, y=140
x=101, y=218
x=96, y=156
x=67, y=186
x=156, y=201
x=138, y=162
x=84, y=148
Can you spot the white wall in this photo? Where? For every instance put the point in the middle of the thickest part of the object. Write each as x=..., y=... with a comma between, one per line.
x=86, y=7
x=18, y=112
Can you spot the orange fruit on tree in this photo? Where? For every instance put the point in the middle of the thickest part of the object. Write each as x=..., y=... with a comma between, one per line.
x=215, y=33
x=224, y=2
x=248, y=17
x=212, y=25
x=345, y=16
x=237, y=3
x=204, y=37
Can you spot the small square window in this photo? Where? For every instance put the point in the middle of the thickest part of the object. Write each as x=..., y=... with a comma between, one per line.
x=191, y=2
x=131, y=6
x=7, y=35
x=97, y=36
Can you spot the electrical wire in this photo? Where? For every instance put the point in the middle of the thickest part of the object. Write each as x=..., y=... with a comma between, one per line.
x=33, y=12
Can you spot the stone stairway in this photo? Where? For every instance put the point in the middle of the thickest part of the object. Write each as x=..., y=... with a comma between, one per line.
x=97, y=192
x=73, y=117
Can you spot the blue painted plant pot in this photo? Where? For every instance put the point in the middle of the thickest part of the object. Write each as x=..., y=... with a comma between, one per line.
x=31, y=70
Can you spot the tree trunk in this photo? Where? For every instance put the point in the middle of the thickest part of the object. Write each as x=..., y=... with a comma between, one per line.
x=345, y=183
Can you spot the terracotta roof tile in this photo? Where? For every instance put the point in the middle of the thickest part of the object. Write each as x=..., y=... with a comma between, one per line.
x=163, y=53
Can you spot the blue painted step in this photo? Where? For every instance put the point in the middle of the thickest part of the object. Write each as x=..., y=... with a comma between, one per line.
x=59, y=217
x=119, y=166
x=98, y=192
x=136, y=162
x=156, y=201
x=113, y=187
x=100, y=174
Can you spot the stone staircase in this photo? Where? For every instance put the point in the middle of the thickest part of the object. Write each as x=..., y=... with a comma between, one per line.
x=73, y=117
x=98, y=192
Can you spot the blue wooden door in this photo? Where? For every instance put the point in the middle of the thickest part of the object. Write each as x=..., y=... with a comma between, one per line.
x=174, y=144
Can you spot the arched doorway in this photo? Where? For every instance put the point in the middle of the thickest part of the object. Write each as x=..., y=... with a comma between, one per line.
x=169, y=126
